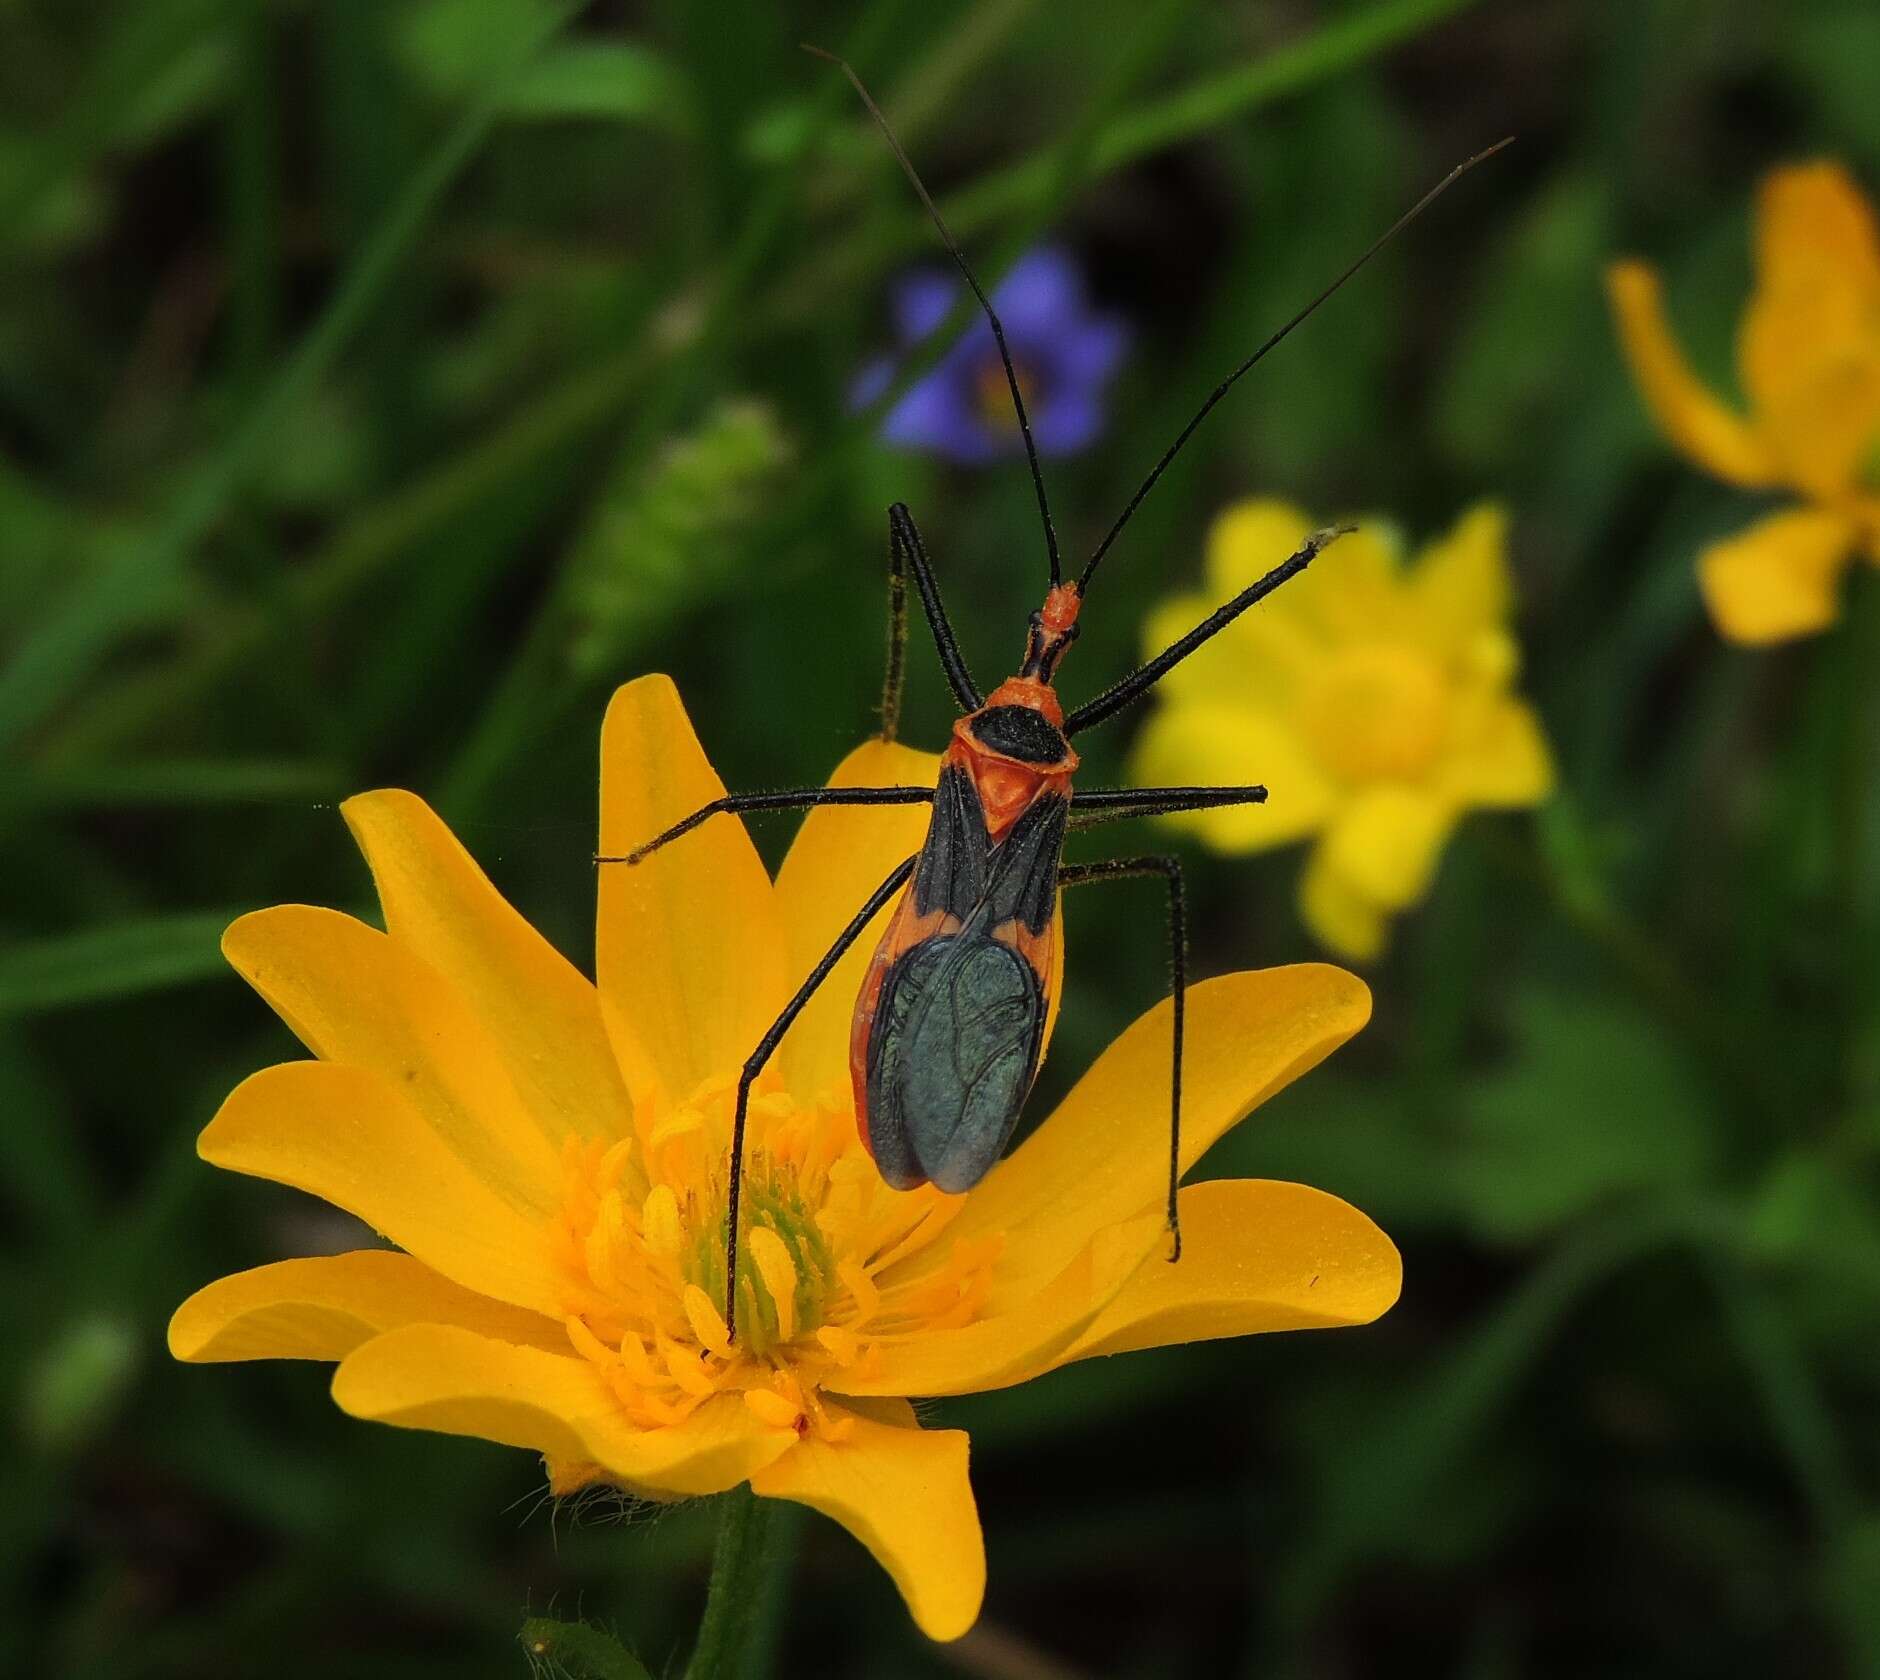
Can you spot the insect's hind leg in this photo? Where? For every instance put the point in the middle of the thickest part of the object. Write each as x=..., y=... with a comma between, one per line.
x=766, y=1047
x=783, y=799
x=1170, y=869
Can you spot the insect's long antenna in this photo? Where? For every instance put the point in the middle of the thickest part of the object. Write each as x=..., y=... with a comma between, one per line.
x=985, y=303
x=1229, y=382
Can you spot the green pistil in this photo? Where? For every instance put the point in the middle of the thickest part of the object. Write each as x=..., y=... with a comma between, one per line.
x=771, y=1201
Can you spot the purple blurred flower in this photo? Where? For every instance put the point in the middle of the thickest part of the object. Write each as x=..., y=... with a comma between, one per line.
x=1065, y=354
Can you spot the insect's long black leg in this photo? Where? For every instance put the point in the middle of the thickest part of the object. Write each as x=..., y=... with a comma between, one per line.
x=1094, y=806
x=1170, y=869
x=906, y=550
x=894, y=678
x=1118, y=695
x=783, y=799
x=754, y=1065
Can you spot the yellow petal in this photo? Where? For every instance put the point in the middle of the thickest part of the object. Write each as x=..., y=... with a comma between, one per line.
x=689, y=948
x=903, y=1492
x=1461, y=581
x=1780, y=578
x=1354, y=589
x=356, y=1139
x=1385, y=842
x=1249, y=539
x=1505, y=763
x=1025, y=1333
x=1341, y=918
x=433, y=1376
x=1192, y=743
x=540, y=1013
x=1696, y=421
x=1257, y=1255
x=354, y=996
x=324, y=1307
x=1102, y=1156
x=1810, y=341
x=841, y=854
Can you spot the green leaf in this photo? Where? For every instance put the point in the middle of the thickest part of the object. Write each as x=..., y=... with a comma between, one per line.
x=448, y=46
x=576, y=1651
x=1851, y=1584
x=175, y=781
x=75, y=1385
x=1591, y=1106
x=618, y=80
x=119, y=587
x=113, y=961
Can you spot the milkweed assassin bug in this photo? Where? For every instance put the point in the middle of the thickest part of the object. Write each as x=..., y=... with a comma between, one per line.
x=950, y=1023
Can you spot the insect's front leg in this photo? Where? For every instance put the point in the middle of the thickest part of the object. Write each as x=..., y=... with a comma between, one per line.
x=1170, y=870
x=1092, y=806
x=783, y=799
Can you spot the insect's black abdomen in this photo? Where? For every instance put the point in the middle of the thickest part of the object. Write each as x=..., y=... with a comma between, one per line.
x=951, y=874
x=952, y=1056
x=1022, y=733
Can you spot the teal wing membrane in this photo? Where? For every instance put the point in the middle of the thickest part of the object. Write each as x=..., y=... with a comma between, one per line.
x=960, y=1022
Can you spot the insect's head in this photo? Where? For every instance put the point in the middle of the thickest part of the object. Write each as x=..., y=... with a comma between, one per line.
x=1053, y=629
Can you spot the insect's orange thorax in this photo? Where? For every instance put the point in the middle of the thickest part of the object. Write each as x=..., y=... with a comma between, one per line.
x=1012, y=761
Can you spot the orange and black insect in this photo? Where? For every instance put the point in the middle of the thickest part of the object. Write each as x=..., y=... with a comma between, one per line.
x=950, y=1023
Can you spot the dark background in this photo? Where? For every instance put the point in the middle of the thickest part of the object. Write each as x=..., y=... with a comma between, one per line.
x=370, y=406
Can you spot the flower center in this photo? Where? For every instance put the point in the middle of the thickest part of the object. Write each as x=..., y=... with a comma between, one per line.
x=992, y=396
x=1377, y=713
x=640, y=1241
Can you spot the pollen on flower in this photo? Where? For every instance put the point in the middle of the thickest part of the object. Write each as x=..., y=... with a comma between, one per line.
x=640, y=1241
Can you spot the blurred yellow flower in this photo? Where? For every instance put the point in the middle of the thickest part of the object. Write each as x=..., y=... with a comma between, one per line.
x=1808, y=357
x=548, y=1156
x=1371, y=697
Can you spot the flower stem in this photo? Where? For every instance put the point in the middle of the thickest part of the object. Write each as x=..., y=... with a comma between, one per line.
x=1852, y=801
x=749, y=1566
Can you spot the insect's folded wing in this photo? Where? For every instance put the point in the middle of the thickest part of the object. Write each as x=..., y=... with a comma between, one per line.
x=1257, y=1255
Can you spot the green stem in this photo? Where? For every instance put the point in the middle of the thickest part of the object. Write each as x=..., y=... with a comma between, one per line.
x=748, y=1564
x=1852, y=798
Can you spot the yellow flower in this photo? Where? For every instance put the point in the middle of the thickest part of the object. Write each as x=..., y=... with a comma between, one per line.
x=1372, y=699
x=1808, y=357
x=548, y=1158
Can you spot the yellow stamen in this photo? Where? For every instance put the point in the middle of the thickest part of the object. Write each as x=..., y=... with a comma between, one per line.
x=685, y=1368
x=778, y=1270
x=659, y=1221
x=707, y=1324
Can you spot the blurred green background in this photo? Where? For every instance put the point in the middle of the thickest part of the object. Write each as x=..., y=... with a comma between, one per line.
x=380, y=384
